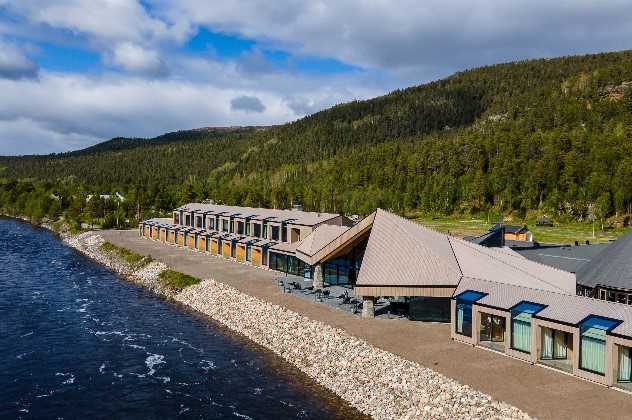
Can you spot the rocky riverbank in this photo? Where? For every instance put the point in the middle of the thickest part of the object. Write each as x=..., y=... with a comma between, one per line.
x=376, y=382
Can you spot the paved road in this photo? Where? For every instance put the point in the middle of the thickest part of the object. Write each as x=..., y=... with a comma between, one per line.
x=541, y=392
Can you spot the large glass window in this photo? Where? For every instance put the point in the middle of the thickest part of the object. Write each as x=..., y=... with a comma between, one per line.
x=338, y=271
x=492, y=328
x=256, y=227
x=225, y=225
x=592, y=356
x=290, y=264
x=283, y=232
x=275, y=233
x=463, y=315
x=554, y=344
x=625, y=364
x=521, y=325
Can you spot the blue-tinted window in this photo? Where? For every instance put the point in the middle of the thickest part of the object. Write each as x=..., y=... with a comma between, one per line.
x=593, y=330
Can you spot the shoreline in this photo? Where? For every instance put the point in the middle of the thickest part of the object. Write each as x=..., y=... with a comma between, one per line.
x=373, y=381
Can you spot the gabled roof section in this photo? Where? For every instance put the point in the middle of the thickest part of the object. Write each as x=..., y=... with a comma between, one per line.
x=611, y=267
x=403, y=253
x=320, y=237
x=506, y=266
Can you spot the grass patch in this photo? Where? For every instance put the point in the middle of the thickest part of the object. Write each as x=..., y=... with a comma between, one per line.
x=561, y=233
x=177, y=281
x=130, y=257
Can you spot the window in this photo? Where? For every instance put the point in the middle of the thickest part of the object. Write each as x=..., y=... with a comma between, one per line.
x=198, y=221
x=240, y=227
x=187, y=219
x=256, y=227
x=283, y=232
x=248, y=252
x=211, y=223
x=592, y=344
x=216, y=222
x=176, y=219
x=602, y=294
x=231, y=225
x=492, y=328
x=275, y=233
x=463, y=315
x=624, y=373
x=554, y=344
x=521, y=325
x=233, y=249
x=265, y=230
x=224, y=225
x=247, y=227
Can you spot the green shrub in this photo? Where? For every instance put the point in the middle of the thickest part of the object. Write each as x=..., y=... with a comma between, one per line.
x=130, y=257
x=177, y=281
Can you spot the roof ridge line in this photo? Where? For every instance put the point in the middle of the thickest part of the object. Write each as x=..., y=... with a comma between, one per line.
x=517, y=268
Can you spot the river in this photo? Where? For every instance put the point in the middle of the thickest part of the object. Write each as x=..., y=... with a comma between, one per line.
x=78, y=341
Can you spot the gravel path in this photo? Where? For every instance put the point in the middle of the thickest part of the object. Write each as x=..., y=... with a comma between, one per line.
x=376, y=382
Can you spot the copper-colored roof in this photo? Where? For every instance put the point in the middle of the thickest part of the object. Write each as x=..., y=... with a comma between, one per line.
x=403, y=253
x=320, y=237
x=501, y=265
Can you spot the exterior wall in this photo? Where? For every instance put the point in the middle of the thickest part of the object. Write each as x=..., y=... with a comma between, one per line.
x=241, y=253
x=191, y=241
x=181, y=238
x=154, y=232
x=163, y=235
x=214, y=246
x=226, y=249
x=201, y=243
x=256, y=256
x=573, y=351
x=145, y=231
x=171, y=236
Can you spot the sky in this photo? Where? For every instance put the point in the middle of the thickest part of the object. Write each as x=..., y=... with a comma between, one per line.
x=77, y=72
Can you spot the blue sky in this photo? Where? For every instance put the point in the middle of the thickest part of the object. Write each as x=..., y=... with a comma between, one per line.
x=76, y=72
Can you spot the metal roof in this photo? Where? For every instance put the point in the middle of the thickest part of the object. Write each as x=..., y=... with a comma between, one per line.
x=611, y=267
x=561, y=307
x=564, y=257
x=320, y=237
x=403, y=253
x=506, y=266
x=290, y=216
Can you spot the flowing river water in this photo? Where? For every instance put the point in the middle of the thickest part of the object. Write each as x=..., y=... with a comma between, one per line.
x=77, y=341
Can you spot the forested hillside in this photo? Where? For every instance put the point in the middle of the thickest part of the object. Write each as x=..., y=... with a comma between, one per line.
x=550, y=135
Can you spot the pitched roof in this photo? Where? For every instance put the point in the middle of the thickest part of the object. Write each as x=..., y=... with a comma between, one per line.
x=291, y=216
x=320, y=237
x=400, y=252
x=611, y=267
x=403, y=253
x=562, y=307
x=506, y=266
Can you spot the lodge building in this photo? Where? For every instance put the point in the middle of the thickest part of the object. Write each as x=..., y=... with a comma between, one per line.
x=494, y=298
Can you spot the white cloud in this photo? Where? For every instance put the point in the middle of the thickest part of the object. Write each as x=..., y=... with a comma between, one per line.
x=420, y=40
x=138, y=59
x=14, y=64
x=58, y=112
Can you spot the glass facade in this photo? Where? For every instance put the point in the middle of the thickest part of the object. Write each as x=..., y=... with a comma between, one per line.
x=521, y=316
x=592, y=355
x=463, y=315
x=290, y=264
x=339, y=271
